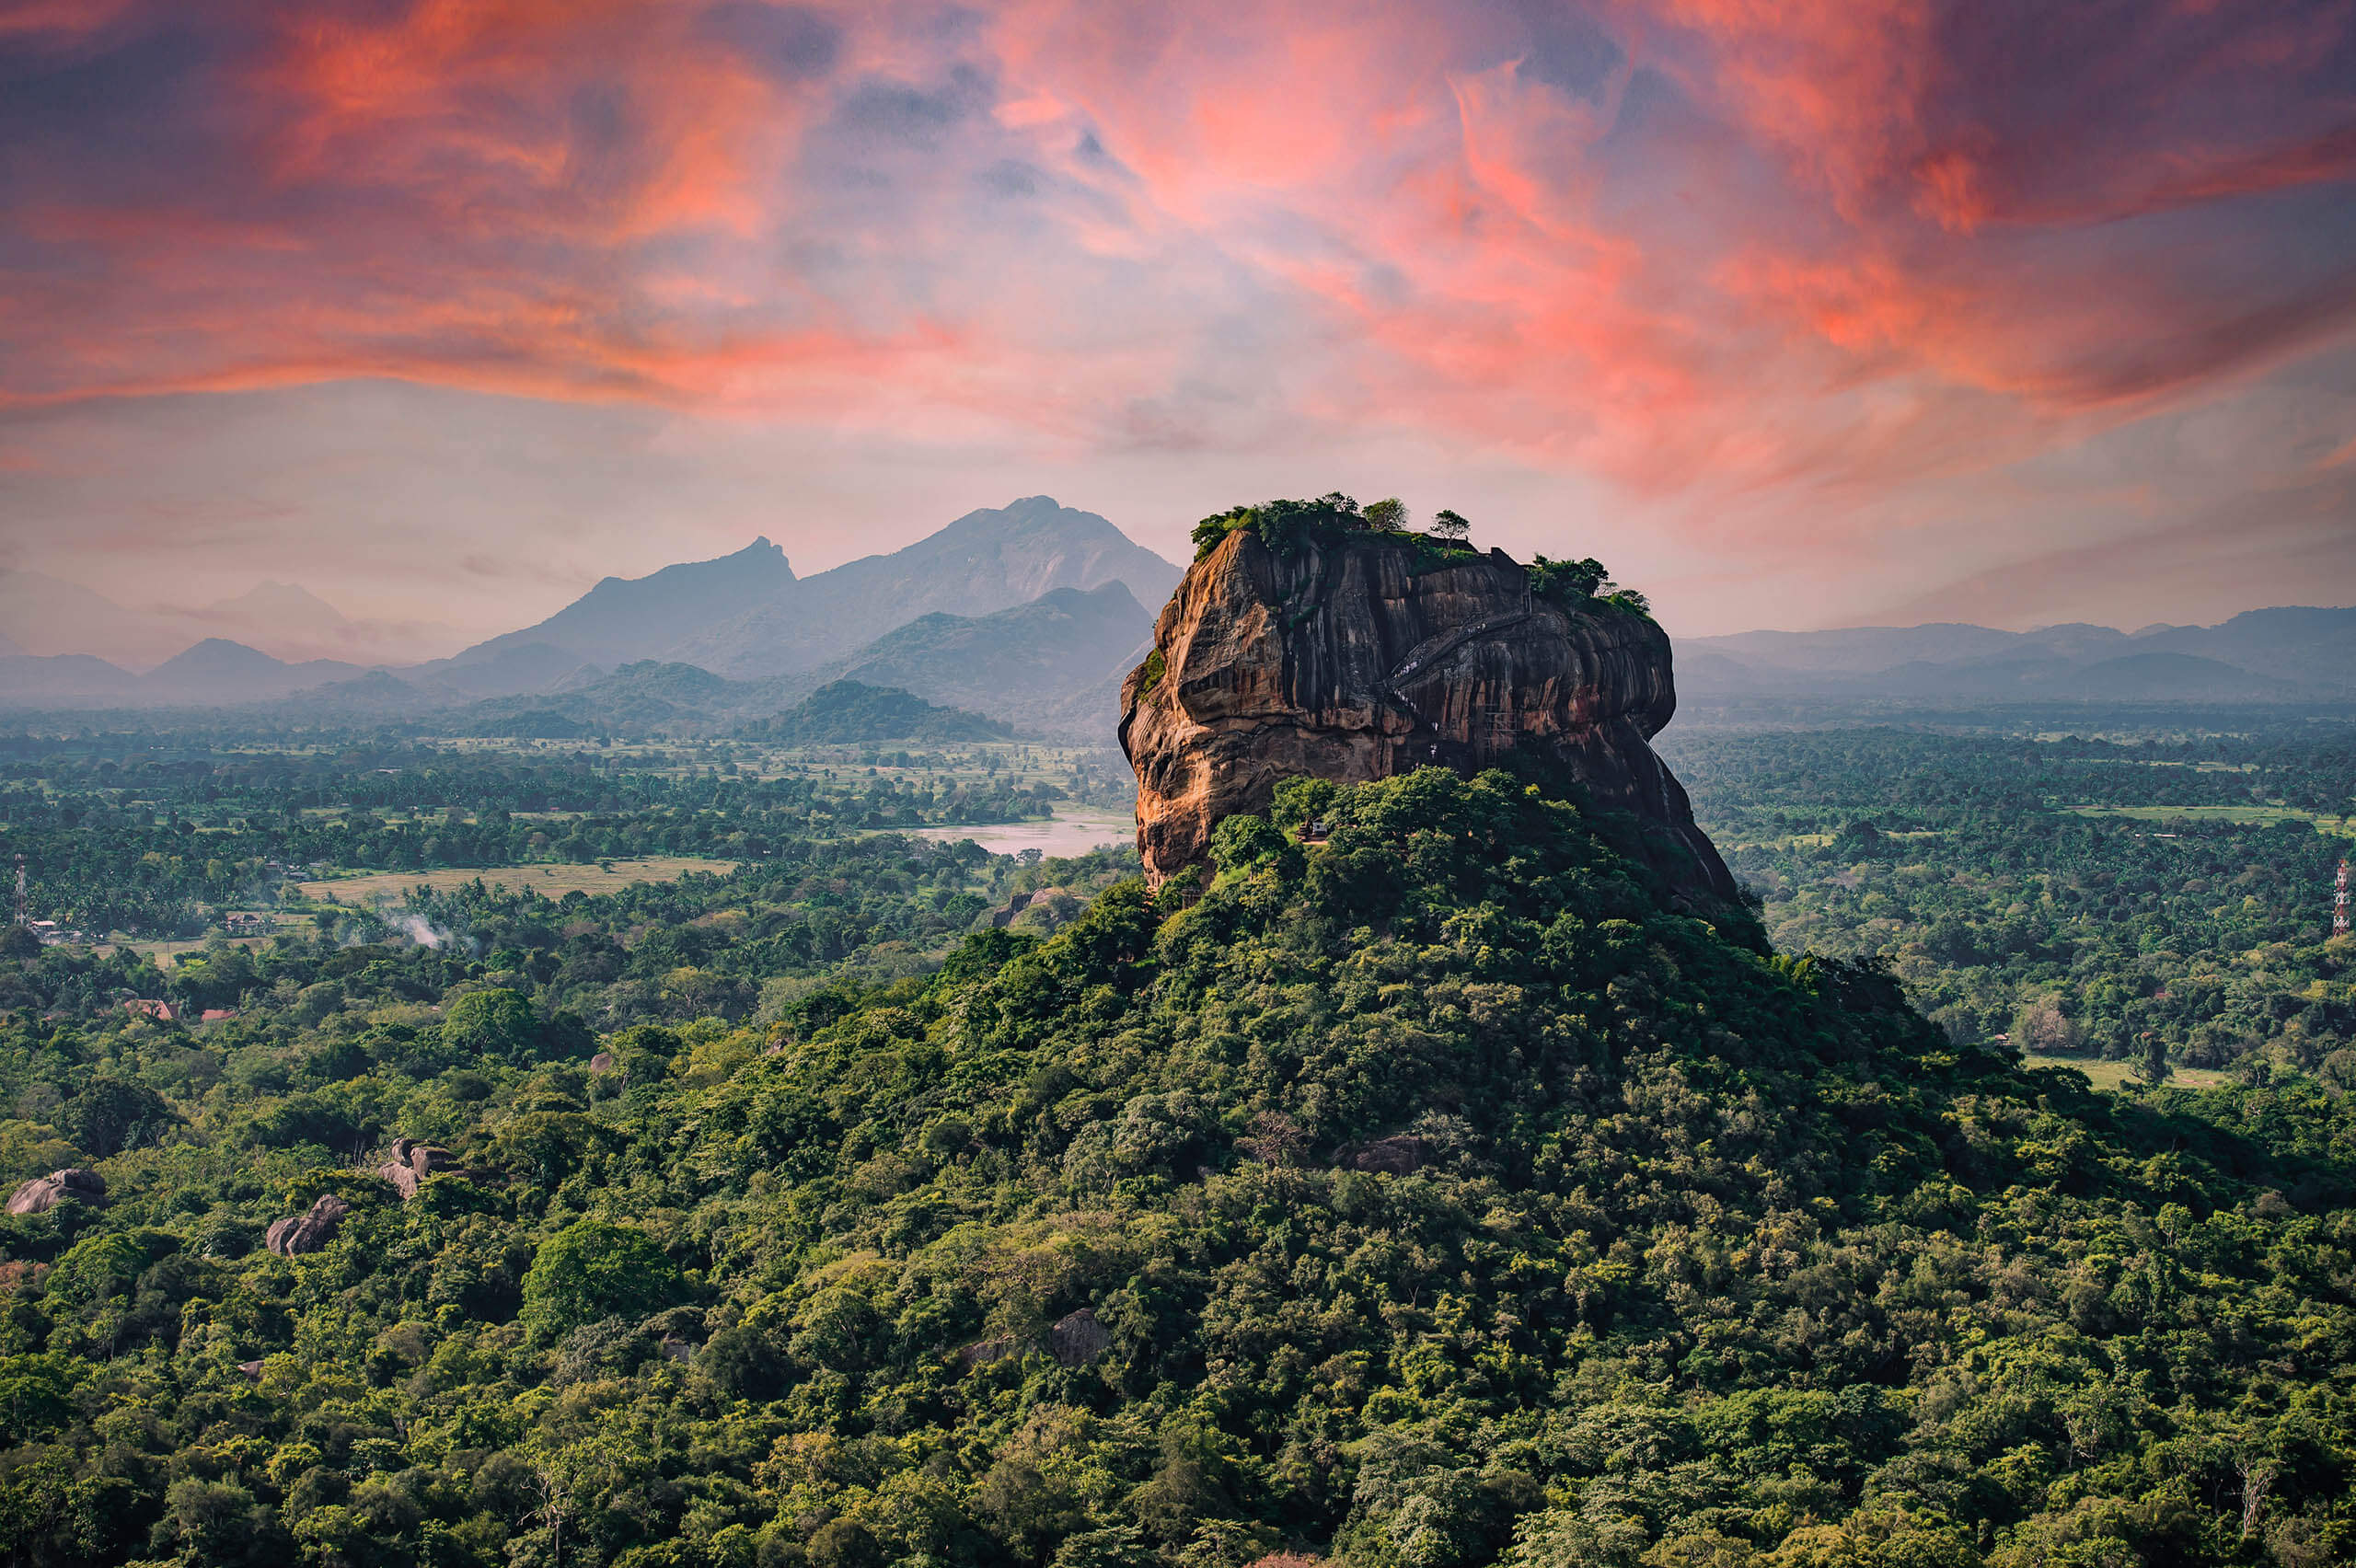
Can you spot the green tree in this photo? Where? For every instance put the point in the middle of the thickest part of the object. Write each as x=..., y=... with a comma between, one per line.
x=593, y=1270
x=111, y=1114
x=496, y=1024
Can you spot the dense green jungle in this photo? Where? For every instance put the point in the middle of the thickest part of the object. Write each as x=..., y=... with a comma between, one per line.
x=2161, y=899
x=1442, y=1193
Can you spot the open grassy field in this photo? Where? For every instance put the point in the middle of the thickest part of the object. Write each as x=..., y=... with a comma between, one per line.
x=2116, y=1074
x=549, y=882
x=2263, y=816
x=166, y=954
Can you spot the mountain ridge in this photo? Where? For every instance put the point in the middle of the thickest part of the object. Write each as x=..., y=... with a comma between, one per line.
x=624, y=619
x=986, y=560
x=1055, y=663
x=2277, y=654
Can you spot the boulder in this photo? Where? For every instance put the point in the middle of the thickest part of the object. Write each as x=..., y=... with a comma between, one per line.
x=1075, y=1340
x=981, y=1352
x=423, y=1159
x=1044, y=910
x=412, y=1163
x=1401, y=1155
x=42, y=1193
x=1005, y=913
x=1365, y=656
x=1079, y=1338
x=309, y=1231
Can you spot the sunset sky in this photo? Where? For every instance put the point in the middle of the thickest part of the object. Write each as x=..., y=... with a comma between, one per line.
x=1797, y=313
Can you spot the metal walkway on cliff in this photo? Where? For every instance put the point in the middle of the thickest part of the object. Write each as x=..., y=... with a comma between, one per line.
x=1440, y=646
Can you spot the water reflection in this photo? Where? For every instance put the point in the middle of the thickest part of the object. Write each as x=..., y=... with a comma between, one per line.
x=1074, y=835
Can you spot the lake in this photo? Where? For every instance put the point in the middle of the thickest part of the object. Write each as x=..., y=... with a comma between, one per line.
x=1074, y=834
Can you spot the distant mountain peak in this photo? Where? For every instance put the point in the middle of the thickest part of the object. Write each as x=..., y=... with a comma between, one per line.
x=987, y=561
x=215, y=656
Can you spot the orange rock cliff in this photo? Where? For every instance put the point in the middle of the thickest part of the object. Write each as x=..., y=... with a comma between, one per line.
x=1358, y=659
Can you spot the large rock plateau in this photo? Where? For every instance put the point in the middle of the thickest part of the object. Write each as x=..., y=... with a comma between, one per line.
x=1358, y=660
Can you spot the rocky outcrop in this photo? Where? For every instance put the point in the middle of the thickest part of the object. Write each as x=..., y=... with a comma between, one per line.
x=1077, y=1339
x=42, y=1193
x=1044, y=910
x=1074, y=1339
x=1372, y=656
x=412, y=1164
x=309, y=1231
x=1403, y=1155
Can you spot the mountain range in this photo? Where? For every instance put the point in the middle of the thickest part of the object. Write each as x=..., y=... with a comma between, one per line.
x=2273, y=656
x=1031, y=614
x=747, y=616
x=1032, y=611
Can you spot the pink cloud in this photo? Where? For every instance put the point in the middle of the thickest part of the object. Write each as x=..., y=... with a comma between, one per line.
x=1806, y=244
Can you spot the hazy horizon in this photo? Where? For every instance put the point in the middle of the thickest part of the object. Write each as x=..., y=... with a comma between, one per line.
x=358, y=640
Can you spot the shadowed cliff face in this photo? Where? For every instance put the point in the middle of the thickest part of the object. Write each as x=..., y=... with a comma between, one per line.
x=1343, y=662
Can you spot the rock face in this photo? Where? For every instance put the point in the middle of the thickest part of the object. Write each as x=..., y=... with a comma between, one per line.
x=1356, y=660
x=1078, y=1338
x=42, y=1193
x=307, y=1232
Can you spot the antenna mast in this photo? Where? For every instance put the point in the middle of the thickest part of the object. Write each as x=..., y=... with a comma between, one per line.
x=2338, y=901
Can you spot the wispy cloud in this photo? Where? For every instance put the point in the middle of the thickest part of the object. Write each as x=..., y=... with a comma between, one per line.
x=1760, y=264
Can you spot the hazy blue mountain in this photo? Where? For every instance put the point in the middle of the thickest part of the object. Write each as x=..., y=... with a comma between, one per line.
x=643, y=698
x=219, y=671
x=2314, y=646
x=2273, y=656
x=748, y=617
x=1851, y=650
x=293, y=610
x=1056, y=663
x=214, y=673
x=30, y=680
x=2171, y=677
x=487, y=671
x=624, y=619
x=983, y=562
x=850, y=713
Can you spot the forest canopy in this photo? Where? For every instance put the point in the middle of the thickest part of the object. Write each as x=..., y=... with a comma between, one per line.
x=1431, y=1195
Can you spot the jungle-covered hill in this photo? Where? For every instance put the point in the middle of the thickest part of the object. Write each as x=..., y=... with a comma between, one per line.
x=1431, y=1196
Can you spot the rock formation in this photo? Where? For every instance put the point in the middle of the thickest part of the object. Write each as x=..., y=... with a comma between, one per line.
x=1078, y=1338
x=1369, y=656
x=1074, y=1339
x=412, y=1164
x=41, y=1194
x=307, y=1232
x=1043, y=911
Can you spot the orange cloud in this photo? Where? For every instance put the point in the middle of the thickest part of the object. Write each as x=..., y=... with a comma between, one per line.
x=1697, y=246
